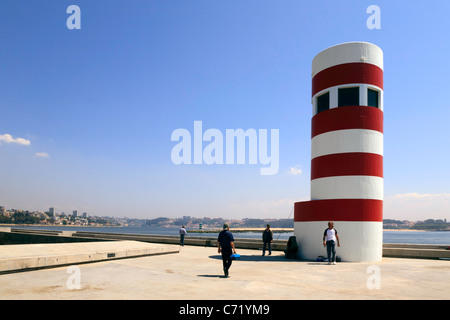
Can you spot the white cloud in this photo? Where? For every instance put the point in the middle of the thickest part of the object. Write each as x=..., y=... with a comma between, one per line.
x=295, y=170
x=42, y=154
x=7, y=138
x=420, y=196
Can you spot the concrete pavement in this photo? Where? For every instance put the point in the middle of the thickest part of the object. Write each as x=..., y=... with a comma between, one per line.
x=196, y=273
x=32, y=256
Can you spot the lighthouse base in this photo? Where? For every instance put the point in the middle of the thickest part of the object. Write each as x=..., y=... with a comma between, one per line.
x=360, y=241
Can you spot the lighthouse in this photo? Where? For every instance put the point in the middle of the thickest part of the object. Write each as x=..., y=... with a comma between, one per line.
x=346, y=154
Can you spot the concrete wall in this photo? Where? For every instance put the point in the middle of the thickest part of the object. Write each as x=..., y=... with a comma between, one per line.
x=21, y=236
x=37, y=236
x=277, y=245
x=419, y=251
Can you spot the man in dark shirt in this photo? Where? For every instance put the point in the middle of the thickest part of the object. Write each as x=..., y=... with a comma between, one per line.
x=267, y=240
x=225, y=245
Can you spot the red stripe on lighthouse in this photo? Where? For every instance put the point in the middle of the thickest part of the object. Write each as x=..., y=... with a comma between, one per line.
x=347, y=73
x=339, y=210
x=347, y=164
x=352, y=117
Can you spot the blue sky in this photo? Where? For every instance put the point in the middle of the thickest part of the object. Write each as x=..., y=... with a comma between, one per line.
x=98, y=105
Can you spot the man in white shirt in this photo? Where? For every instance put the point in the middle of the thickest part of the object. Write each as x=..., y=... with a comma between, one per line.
x=330, y=237
x=183, y=233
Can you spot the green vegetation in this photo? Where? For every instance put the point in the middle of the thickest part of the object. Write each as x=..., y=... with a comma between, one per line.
x=430, y=224
x=20, y=218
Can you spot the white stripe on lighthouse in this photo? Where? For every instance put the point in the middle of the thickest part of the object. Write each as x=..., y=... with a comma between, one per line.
x=347, y=187
x=351, y=140
x=360, y=241
x=352, y=52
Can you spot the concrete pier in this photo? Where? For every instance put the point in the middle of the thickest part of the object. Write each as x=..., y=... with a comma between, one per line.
x=195, y=273
x=125, y=266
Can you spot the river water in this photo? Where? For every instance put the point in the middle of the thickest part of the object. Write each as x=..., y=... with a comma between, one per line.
x=389, y=236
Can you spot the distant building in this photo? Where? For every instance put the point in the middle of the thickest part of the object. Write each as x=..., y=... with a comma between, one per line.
x=74, y=213
x=84, y=215
x=51, y=211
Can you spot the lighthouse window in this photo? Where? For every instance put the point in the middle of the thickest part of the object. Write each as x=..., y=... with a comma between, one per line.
x=348, y=97
x=323, y=102
x=372, y=98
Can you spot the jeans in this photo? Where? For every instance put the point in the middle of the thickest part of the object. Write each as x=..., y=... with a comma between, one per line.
x=182, y=239
x=226, y=258
x=264, y=247
x=331, y=251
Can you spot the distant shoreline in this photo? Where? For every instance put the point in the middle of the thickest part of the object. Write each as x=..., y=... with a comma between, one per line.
x=240, y=230
x=414, y=230
x=53, y=225
x=214, y=230
x=402, y=230
x=287, y=230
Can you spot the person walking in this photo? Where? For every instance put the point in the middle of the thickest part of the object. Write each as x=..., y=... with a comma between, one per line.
x=267, y=237
x=330, y=237
x=225, y=245
x=183, y=233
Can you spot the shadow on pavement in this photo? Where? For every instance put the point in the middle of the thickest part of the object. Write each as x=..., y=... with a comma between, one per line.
x=258, y=258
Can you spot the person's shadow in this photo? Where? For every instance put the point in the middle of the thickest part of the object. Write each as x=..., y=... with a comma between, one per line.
x=211, y=276
x=251, y=258
x=256, y=258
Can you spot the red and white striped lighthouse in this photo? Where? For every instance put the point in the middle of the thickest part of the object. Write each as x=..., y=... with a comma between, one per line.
x=346, y=154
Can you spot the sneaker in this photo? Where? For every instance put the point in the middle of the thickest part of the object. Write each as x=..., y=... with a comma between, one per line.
x=225, y=270
x=334, y=262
